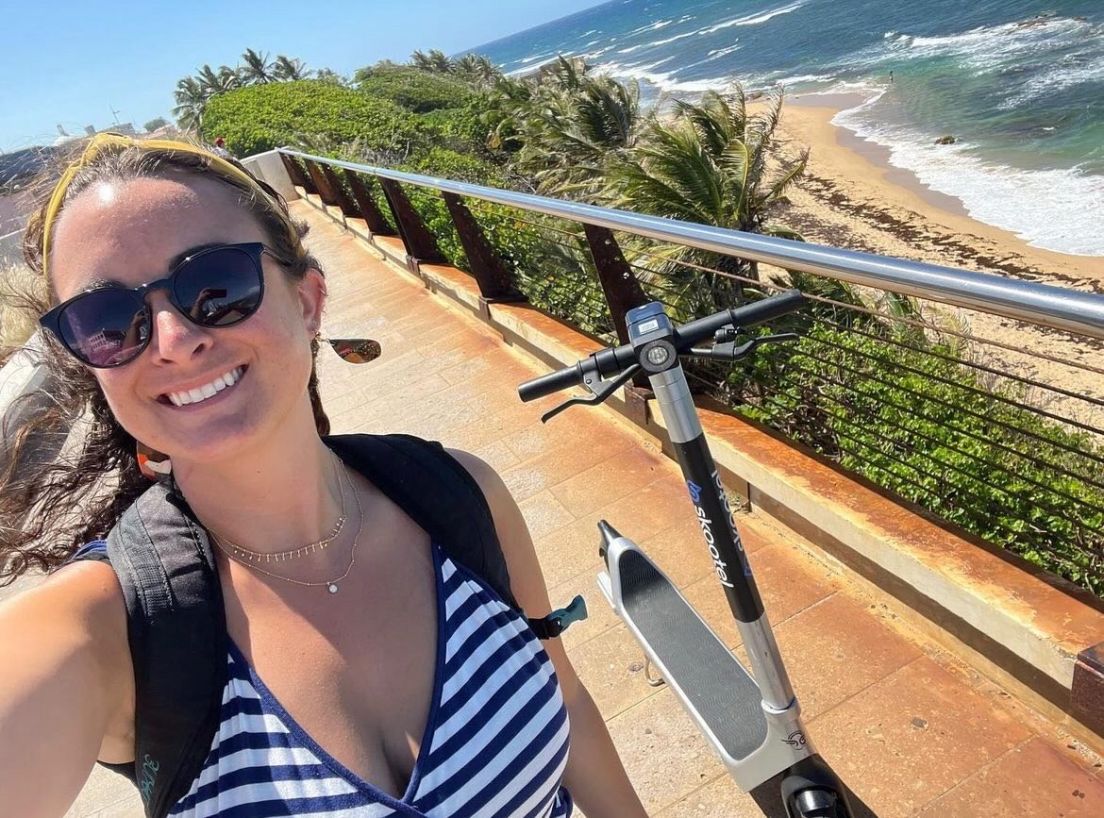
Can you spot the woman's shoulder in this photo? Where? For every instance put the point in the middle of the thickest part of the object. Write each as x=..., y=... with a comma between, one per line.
x=84, y=593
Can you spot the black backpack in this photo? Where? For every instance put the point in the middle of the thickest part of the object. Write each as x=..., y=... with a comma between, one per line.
x=175, y=615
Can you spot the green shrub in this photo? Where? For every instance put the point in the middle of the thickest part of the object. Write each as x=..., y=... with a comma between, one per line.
x=262, y=117
x=414, y=90
x=461, y=129
x=447, y=164
x=908, y=415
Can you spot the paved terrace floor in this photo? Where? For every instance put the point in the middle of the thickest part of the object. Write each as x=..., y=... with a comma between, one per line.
x=912, y=731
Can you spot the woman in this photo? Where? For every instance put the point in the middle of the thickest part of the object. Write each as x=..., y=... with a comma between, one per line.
x=331, y=592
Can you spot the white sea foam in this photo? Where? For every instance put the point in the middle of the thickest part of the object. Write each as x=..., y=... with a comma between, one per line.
x=988, y=48
x=655, y=26
x=720, y=52
x=672, y=39
x=664, y=80
x=1066, y=73
x=756, y=19
x=527, y=69
x=1055, y=209
x=715, y=54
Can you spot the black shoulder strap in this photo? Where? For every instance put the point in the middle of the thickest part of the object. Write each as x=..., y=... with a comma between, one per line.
x=438, y=493
x=177, y=632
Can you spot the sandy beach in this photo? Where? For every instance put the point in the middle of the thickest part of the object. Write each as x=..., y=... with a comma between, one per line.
x=853, y=198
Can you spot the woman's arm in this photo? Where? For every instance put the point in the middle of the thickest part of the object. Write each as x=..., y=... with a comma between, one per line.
x=65, y=681
x=595, y=777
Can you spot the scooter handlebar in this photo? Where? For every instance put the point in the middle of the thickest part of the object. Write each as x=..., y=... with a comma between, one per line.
x=685, y=337
x=552, y=382
x=746, y=316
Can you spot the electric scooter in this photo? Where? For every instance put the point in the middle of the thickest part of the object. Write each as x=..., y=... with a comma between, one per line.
x=751, y=719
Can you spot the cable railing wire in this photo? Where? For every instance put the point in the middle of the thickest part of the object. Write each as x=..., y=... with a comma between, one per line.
x=872, y=312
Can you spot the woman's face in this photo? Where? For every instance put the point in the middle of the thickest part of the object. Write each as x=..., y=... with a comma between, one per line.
x=131, y=233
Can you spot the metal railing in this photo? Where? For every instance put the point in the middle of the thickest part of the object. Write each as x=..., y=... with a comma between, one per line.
x=910, y=374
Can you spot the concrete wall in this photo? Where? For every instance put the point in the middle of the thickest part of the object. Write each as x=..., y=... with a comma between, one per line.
x=269, y=167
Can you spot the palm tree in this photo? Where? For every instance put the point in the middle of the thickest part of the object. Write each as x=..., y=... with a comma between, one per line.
x=218, y=82
x=191, y=98
x=477, y=69
x=290, y=69
x=257, y=69
x=435, y=61
x=576, y=124
x=712, y=163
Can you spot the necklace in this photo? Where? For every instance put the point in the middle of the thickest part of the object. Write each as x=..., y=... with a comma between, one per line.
x=331, y=584
x=291, y=553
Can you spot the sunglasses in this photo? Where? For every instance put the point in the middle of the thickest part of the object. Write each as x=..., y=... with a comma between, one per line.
x=111, y=325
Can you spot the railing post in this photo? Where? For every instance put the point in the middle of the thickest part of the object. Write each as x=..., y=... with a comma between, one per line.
x=346, y=204
x=622, y=290
x=494, y=280
x=419, y=242
x=295, y=172
x=320, y=183
x=372, y=215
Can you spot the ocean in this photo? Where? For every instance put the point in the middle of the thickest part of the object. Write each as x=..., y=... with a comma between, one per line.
x=1018, y=83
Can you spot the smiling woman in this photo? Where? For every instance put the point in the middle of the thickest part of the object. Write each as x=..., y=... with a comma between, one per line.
x=182, y=321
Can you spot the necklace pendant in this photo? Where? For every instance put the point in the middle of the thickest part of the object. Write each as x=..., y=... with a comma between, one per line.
x=332, y=587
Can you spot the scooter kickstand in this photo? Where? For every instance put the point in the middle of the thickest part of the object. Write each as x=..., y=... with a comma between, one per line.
x=654, y=681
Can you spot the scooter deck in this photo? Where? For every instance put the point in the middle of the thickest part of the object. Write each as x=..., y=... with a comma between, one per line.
x=694, y=661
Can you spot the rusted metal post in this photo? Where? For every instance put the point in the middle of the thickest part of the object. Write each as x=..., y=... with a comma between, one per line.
x=494, y=280
x=369, y=211
x=321, y=186
x=344, y=201
x=419, y=242
x=622, y=290
x=295, y=172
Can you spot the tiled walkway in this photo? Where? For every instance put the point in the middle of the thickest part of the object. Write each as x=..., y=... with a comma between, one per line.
x=909, y=728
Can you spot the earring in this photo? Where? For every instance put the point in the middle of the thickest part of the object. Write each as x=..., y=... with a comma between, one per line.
x=152, y=464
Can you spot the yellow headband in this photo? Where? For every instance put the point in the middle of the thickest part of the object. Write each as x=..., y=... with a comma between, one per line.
x=110, y=140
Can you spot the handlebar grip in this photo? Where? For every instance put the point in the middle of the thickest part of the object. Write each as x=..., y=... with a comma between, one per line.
x=552, y=382
x=746, y=316
x=773, y=307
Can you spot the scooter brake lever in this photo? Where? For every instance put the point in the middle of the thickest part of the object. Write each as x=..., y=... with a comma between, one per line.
x=598, y=393
x=730, y=352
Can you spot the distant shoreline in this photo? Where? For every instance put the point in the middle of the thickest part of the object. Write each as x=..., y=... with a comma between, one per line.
x=853, y=197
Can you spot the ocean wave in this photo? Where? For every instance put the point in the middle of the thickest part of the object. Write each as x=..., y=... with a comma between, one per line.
x=720, y=52
x=1054, y=209
x=989, y=47
x=757, y=18
x=1074, y=70
x=650, y=27
x=672, y=39
x=665, y=81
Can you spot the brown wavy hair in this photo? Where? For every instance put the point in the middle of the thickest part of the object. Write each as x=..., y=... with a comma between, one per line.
x=56, y=496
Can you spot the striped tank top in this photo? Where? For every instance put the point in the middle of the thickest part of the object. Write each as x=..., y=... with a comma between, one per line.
x=495, y=742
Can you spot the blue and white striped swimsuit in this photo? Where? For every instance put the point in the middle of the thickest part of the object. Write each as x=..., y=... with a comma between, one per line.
x=495, y=743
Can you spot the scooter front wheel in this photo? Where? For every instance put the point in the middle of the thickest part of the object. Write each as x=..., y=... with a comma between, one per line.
x=817, y=803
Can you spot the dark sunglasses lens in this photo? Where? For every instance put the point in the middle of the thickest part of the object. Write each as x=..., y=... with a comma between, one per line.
x=105, y=327
x=220, y=287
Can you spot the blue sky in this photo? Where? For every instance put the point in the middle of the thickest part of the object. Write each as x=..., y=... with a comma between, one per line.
x=70, y=62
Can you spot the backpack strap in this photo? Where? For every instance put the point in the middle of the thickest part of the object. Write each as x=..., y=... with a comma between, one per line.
x=438, y=493
x=176, y=627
